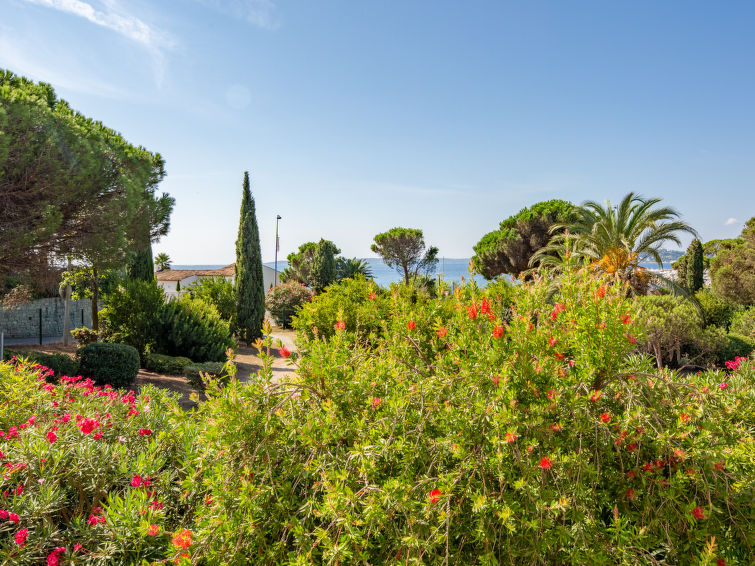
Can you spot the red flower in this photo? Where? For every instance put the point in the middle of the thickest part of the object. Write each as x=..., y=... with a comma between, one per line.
x=284, y=352
x=472, y=311
x=722, y=386
x=552, y=341
x=698, y=513
x=77, y=547
x=556, y=427
x=411, y=325
x=376, y=402
x=720, y=562
x=136, y=481
x=648, y=467
x=719, y=466
x=485, y=306
x=546, y=463
x=630, y=494
x=510, y=437
x=559, y=356
x=153, y=530
x=434, y=495
x=497, y=331
x=551, y=394
x=442, y=332
x=20, y=489
x=605, y=417
x=557, y=309
x=595, y=397
x=631, y=447
x=684, y=417
x=496, y=380
x=182, y=539
x=601, y=291
x=88, y=425
x=51, y=437
x=14, y=518
x=340, y=325
x=145, y=432
x=21, y=537
x=53, y=559
x=372, y=296
x=625, y=318
x=97, y=435
x=631, y=339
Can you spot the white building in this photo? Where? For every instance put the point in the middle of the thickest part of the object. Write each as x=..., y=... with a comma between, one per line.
x=175, y=281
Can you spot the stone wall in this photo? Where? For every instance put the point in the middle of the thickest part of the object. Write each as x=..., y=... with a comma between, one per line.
x=23, y=322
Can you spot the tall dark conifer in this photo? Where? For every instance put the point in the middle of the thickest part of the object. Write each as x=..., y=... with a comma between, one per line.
x=141, y=265
x=695, y=266
x=248, y=286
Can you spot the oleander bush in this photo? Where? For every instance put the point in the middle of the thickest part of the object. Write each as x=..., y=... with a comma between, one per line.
x=473, y=430
x=283, y=301
x=91, y=474
x=170, y=365
x=60, y=364
x=109, y=364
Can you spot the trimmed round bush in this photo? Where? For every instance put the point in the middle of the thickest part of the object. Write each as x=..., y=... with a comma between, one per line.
x=170, y=365
x=283, y=301
x=109, y=364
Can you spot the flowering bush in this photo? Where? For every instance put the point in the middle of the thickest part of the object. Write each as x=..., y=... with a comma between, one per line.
x=90, y=474
x=472, y=431
x=282, y=301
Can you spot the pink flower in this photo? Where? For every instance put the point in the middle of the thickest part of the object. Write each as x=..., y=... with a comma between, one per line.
x=88, y=425
x=97, y=435
x=14, y=518
x=77, y=547
x=21, y=537
x=51, y=437
x=136, y=481
x=722, y=386
x=3, y=514
x=434, y=495
x=376, y=402
x=145, y=432
x=546, y=463
x=53, y=559
x=20, y=489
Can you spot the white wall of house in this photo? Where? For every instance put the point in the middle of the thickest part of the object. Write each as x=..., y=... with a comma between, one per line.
x=268, y=277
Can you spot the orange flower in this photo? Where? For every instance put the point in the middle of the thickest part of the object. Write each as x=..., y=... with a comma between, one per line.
x=182, y=539
x=601, y=291
x=442, y=332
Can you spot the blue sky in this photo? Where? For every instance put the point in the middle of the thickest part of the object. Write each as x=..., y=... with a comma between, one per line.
x=354, y=117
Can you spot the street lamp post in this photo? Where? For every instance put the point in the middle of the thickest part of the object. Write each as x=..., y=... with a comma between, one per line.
x=277, y=246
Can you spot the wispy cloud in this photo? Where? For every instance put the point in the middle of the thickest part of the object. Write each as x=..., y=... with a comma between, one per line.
x=260, y=13
x=730, y=221
x=111, y=15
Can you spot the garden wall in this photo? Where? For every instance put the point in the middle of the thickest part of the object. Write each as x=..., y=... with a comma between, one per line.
x=24, y=321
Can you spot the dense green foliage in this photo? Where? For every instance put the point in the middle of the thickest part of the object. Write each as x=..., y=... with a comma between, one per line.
x=140, y=264
x=324, y=265
x=349, y=268
x=192, y=328
x=716, y=310
x=743, y=322
x=109, y=364
x=131, y=315
x=694, y=271
x=89, y=470
x=282, y=301
x=169, y=365
x=403, y=249
x=510, y=248
x=469, y=440
x=217, y=291
x=732, y=269
x=84, y=335
x=249, y=287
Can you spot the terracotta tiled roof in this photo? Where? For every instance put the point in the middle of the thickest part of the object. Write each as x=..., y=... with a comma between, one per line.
x=181, y=274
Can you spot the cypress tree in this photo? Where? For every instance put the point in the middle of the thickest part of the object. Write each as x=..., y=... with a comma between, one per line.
x=249, y=289
x=141, y=265
x=695, y=266
x=324, y=265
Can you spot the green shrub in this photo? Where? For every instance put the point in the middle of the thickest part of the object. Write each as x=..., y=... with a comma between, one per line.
x=282, y=301
x=217, y=291
x=192, y=328
x=84, y=335
x=358, y=303
x=743, y=323
x=455, y=437
x=735, y=346
x=109, y=364
x=193, y=372
x=131, y=315
x=718, y=310
x=160, y=363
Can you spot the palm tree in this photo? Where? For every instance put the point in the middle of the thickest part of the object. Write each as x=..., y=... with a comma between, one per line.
x=162, y=261
x=615, y=239
x=348, y=268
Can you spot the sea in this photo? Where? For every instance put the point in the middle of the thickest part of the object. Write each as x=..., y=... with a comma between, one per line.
x=450, y=270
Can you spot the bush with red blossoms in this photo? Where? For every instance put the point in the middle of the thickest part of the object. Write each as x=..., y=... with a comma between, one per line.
x=69, y=454
x=548, y=441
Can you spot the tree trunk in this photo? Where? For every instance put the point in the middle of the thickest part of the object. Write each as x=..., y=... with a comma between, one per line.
x=95, y=300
